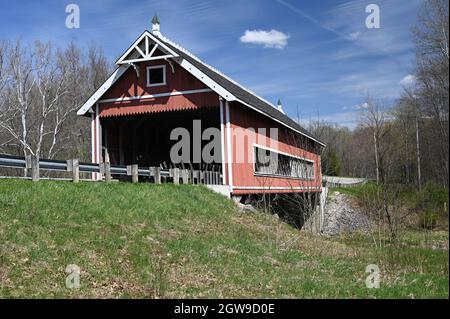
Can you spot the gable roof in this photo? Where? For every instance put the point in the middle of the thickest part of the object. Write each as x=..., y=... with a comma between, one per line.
x=216, y=80
x=242, y=94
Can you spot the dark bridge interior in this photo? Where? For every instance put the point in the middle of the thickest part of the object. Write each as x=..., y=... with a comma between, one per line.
x=144, y=139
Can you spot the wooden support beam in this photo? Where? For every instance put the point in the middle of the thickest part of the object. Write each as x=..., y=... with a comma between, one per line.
x=107, y=171
x=28, y=162
x=75, y=170
x=155, y=172
x=176, y=175
x=133, y=171
x=185, y=176
x=191, y=176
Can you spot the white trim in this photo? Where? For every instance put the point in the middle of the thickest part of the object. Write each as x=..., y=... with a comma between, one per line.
x=153, y=49
x=277, y=188
x=140, y=51
x=205, y=79
x=158, y=57
x=96, y=144
x=282, y=153
x=152, y=96
x=152, y=37
x=99, y=134
x=229, y=145
x=102, y=89
x=153, y=67
x=255, y=173
x=92, y=142
x=222, y=139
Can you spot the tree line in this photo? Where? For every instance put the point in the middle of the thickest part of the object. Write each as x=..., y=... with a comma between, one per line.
x=41, y=88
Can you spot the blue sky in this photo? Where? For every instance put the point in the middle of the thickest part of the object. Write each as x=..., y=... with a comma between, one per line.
x=325, y=60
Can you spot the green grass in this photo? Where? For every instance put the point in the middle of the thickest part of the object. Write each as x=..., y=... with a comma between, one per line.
x=167, y=241
x=355, y=191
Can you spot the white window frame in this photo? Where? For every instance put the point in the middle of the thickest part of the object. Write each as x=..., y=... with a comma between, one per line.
x=151, y=67
x=255, y=173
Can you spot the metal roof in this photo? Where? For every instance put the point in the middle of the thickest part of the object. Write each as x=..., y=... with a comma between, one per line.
x=237, y=90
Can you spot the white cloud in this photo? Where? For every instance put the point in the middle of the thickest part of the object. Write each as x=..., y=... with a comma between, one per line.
x=361, y=106
x=354, y=35
x=408, y=80
x=268, y=39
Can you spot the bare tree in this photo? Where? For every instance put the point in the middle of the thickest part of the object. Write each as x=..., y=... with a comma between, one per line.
x=40, y=91
x=431, y=37
x=373, y=116
x=18, y=99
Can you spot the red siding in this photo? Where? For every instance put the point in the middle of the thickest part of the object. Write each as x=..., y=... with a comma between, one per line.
x=130, y=85
x=244, y=179
x=241, y=117
x=160, y=104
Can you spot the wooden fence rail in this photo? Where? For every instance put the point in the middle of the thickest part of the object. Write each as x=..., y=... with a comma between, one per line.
x=155, y=174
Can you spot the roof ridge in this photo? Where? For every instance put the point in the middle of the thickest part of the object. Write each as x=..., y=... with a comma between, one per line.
x=179, y=47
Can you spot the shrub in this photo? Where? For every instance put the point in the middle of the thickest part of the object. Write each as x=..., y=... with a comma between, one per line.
x=428, y=219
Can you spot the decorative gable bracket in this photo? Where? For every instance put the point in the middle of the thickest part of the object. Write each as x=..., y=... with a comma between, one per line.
x=145, y=49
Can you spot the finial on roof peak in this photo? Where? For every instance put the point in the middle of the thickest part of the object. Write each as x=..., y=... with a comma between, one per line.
x=155, y=19
x=279, y=106
x=156, y=25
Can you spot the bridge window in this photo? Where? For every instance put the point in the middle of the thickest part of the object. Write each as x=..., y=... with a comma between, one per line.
x=272, y=163
x=156, y=75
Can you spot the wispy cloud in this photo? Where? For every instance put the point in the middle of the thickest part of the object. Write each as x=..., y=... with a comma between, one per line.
x=355, y=35
x=408, y=80
x=310, y=18
x=349, y=18
x=330, y=58
x=268, y=39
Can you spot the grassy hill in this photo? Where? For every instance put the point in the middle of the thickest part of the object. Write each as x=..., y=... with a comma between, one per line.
x=165, y=241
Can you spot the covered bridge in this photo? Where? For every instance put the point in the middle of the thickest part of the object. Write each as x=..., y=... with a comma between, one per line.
x=160, y=91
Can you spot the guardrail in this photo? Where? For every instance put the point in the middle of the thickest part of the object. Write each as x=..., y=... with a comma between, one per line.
x=105, y=170
x=337, y=181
